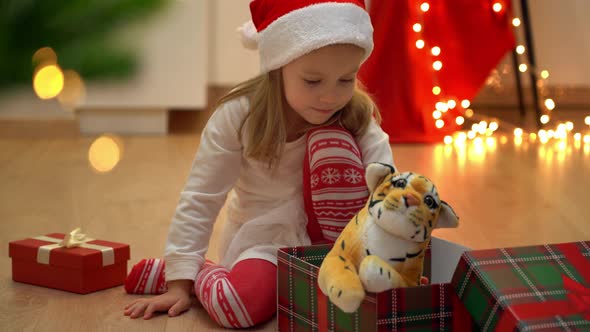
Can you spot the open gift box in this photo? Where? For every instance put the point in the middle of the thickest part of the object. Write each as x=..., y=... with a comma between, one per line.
x=91, y=266
x=303, y=307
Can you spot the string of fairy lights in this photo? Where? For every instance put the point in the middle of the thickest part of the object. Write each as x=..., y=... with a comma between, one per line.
x=445, y=103
x=486, y=129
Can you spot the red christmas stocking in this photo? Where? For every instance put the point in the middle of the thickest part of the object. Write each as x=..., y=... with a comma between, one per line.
x=334, y=187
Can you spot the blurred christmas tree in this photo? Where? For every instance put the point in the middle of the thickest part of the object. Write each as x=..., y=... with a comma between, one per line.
x=79, y=31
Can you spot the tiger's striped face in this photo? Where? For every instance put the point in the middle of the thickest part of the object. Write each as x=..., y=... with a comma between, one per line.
x=406, y=205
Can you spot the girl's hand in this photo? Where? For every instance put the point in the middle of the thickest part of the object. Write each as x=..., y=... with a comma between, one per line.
x=424, y=281
x=176, y=300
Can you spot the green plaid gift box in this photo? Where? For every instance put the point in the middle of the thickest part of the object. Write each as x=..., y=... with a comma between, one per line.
x=303, y=307
x=543, y=287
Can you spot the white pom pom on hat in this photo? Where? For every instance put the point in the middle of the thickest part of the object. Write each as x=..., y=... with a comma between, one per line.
x=284, y=30
x=249, y=35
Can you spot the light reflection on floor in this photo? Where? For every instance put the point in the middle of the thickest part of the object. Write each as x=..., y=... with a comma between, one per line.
x=550, y=146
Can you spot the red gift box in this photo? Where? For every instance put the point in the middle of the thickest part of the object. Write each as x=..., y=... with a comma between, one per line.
x=93, y=265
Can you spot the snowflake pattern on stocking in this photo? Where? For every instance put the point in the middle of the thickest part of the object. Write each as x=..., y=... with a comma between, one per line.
x=315, y=179
x=330, y=175
x=353, y=176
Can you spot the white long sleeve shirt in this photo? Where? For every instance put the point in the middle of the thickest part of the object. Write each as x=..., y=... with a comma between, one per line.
x=265, y=208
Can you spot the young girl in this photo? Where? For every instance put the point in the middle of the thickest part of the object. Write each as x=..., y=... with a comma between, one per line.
x=288, y=149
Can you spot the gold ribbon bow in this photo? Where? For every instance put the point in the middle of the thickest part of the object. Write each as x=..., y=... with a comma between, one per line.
x=71, y=240
x=74, y=239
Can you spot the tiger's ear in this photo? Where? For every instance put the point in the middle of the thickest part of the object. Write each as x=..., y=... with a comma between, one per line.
x=375, y=173
x=447, y=218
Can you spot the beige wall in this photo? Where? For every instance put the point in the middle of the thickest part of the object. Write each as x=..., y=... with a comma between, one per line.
x=561, y=32
x=229, y=62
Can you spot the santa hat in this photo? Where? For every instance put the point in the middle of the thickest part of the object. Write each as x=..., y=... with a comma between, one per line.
x=284, y=30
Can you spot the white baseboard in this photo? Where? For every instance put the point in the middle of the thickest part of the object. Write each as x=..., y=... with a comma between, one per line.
x=123, y=121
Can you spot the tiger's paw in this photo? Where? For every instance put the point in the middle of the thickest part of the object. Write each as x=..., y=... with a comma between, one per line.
x=348, y=299
x=340, y=282
x=377, y=275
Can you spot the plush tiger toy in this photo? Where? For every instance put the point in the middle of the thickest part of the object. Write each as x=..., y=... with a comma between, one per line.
x=382, y=247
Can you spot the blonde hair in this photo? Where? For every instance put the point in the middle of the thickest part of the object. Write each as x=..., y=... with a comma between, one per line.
x=264, y=127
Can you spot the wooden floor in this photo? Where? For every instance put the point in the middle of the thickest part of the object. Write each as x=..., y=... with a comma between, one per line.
x=506, y=195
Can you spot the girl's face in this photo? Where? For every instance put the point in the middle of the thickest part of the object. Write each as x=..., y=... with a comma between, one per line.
x=320, y=83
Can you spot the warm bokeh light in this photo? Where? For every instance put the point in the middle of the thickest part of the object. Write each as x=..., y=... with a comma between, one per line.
x=561, y=151
x=497, y=7
x=482, y=129
x=542, y=132
x=516, y=22
x=417, y=27
x=569, y=125
x=545, y=74
x=436, y=90
x=439, y=123
x=425, y=6
x=469, y=112
x=546, y=153
x=518, y=140
x=544, y=119
x=104, y=154
x=561, y=131
x=518, y=132
x=577, y=136
x=435, y=51
x=451, y=103
x=493, y=126
x=465, y=103
x=460, y=120
x=436, y=114
x=586, y=139
x=471, y=134
x=48, y=82
x=73, y=92
x=520, y=49
x=44, y=56
x=461, y=137
x=420, y=43
x=491, y=142
x=550, y=104
x=447, y=150
x=448, y=139
x=503, y=139
x=437, y=65
x=587, y=120
x=441, y=106
x=523, y=67
x=532, y=137
x=477, y=151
